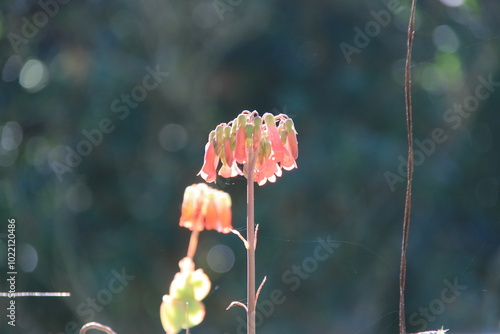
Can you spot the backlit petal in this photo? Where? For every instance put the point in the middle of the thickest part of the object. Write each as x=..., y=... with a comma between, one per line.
x=207, y=208
x=209, y=170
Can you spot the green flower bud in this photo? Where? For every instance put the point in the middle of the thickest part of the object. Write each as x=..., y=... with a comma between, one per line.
x=234, y=130
x=219, y=139
x=242, y=119
x=283, y=133
x=289, y=126
x=249, y=133
x=257, y=132
x=177, y=314
x=227, y=132
x=257, y=122
x=269, y=119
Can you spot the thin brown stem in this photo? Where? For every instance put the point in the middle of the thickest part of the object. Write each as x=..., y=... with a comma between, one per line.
x=193, y=243
x=251, y=304
x=409, y=128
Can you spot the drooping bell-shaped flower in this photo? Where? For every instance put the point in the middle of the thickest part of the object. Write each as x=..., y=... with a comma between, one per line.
x=266, y=168
x=240, y=152
x=229, y=167
x=289, y=138
x=206, y=208
x=263, y=145
x=278, y=149
x=209, y=170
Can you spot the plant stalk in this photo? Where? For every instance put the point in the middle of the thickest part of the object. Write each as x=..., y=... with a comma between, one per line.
x=409, y=128
x=251, y=303
x=193, y=243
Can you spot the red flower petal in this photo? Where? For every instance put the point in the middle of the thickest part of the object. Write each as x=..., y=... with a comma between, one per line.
x=209, y=170
x=291, y=141
x=273, y=135
x=288, y=162
x=211, y=216
x=191, y=216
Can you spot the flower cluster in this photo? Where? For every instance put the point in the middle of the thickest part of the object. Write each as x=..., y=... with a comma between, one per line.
x=182, y=308
x=206, y=208
x=254, y=142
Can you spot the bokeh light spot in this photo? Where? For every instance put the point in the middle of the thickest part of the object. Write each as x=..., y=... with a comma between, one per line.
x=452, y=67
x=34, y=76
x=12, y=136
x=28, y=258
x=445, y=39
x=57, y=155
x=453, y=3
x=433, y=79
x=173, y=137
x=220, y=258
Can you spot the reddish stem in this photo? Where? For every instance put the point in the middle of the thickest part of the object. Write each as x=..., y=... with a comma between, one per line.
x=193, y=243
x=251, y=303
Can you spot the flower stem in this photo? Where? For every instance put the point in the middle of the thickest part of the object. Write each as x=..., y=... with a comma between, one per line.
x=251, y=303
x=193, y=243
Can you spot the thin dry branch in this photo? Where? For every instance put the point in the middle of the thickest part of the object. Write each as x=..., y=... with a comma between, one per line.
x=409, y=128
x=98, y=326
x=237, y=303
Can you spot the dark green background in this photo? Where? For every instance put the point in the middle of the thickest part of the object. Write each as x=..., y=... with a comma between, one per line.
x=119, y=208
